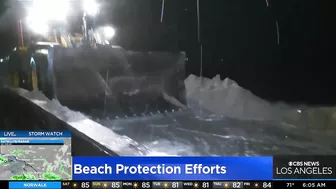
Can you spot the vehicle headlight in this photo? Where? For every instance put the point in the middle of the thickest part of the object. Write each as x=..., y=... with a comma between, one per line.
x=109, y=32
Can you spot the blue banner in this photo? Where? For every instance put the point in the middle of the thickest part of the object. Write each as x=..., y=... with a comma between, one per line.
x=25, y=134
x=172, y=168
x=35, y=185
x=23, y=141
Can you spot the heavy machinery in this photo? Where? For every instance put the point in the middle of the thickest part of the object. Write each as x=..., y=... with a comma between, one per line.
x=85, y=72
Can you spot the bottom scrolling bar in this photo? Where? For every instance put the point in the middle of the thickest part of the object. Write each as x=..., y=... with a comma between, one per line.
x=168, y=184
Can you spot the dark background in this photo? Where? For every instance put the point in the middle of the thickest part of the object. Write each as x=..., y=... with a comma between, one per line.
x=239, y=39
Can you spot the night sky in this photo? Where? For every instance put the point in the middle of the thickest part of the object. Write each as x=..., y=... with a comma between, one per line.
x=293, y=62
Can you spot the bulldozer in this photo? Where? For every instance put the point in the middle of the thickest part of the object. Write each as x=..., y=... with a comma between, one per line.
x=86, y=72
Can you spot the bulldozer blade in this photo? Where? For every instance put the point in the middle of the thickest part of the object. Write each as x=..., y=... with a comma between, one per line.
x=110, y=81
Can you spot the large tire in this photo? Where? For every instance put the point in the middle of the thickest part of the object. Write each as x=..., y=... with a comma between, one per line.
x=17, y=71
x=33, y=80
x=23, y=71
x=15, y=80
x=50, y=91
x=14, y=65
x=45, y=85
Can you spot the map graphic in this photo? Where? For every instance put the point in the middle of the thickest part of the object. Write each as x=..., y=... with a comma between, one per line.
x=44, y=161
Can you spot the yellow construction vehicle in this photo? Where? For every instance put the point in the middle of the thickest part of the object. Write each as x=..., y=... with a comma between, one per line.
x=85, y=72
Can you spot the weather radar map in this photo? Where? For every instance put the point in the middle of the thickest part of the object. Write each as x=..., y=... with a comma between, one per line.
x=31, y=155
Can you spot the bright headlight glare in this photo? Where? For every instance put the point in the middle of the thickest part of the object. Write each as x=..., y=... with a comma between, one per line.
x=40, y=28
x=109, y=32
x=49, y=10
x=59, y=11
x=91, y=7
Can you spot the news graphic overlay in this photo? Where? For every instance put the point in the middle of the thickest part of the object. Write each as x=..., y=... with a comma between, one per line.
x=31, y=155
x=304, y=167
x=167, y=185
x=195, y=184
x=172, y=168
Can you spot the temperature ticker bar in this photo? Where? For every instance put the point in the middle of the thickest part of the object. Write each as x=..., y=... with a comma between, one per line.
x=168, y=184
x=197, y=184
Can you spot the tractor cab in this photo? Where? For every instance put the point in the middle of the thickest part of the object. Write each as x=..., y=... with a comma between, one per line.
x=87, y=71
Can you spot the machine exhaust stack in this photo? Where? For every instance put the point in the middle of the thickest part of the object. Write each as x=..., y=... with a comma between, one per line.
x=20, y=34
